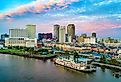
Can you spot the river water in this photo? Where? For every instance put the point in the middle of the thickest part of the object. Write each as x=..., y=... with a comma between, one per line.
x=19, y=69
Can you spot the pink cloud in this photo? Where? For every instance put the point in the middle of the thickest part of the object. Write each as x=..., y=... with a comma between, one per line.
x=36, y=6
x=94, y=26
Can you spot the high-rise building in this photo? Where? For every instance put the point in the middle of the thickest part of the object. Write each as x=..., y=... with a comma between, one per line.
x=62, y=34
x=56, y=32
x=71, y=30
x=31, y=31
x=94, y=34
x=18, y=33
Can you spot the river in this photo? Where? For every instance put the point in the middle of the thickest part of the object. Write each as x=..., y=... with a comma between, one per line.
x=19, y=69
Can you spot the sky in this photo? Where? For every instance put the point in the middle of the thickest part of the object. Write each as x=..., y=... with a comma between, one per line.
x=100, y=16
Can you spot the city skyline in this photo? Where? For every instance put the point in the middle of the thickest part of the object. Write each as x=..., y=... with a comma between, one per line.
x=100, y=16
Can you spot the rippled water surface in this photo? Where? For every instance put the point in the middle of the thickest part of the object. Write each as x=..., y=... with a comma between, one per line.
x=19, y=69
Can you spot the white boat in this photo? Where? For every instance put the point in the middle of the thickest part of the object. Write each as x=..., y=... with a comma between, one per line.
x=81, y=65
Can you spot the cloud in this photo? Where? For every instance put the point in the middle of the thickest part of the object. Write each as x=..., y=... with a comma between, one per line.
x=106, y=2
x=37, y=6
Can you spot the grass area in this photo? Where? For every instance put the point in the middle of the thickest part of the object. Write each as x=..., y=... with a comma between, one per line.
x=11, y=51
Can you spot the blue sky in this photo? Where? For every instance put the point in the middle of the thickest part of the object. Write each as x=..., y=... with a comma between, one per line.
x=101, y=16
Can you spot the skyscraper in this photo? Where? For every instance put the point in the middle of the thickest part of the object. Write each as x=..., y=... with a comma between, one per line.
x=94, y=34
x=56, y=32
x=71, y=31
x=31, y=31
x=62, y=34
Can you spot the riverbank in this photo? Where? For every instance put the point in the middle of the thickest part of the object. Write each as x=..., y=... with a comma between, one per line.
x=31, y=56
x=27, y=55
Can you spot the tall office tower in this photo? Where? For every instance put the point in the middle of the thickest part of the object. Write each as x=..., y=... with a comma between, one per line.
x=31, y=31
x=62, y=34
x=17, y=33
x=94, y=34
x=71, y=31
x=56, y=32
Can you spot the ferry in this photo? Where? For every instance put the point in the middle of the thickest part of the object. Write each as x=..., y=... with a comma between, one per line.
x=79, y=64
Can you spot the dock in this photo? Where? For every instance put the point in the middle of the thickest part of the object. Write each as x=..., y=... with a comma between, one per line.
x=106, y=65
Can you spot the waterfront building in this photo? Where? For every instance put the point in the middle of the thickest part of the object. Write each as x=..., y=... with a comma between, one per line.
x=42, y=36
x=62, y=34
x=56, y=32
x=31, y=31
x=22, y=37
x=19, y=41
x=71, y=31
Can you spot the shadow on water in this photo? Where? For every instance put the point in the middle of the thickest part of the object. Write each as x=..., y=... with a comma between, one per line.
x=74, y=72
x=115, y=73
x=103, y=69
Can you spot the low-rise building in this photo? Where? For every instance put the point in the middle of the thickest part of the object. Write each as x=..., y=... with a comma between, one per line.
x=90, y=40
x=18, y=41
x=42, y=36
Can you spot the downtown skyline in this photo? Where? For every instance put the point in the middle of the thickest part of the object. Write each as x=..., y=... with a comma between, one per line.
x=100, y=16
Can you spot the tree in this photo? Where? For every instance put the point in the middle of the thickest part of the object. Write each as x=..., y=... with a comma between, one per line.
x=31, y=51
x=103, y=59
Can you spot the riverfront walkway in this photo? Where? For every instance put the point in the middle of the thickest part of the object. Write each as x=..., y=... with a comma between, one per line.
x=106, y=65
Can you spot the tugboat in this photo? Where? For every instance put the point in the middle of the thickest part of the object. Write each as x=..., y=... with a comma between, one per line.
x=79, y=64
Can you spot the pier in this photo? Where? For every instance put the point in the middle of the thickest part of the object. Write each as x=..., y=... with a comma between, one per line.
x=106, y=65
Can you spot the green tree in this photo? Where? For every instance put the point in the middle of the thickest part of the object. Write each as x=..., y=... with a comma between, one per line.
x=103, y=59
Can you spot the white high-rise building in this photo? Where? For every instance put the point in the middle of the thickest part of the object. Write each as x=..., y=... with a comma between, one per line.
x=31, y=31
x=62, y=34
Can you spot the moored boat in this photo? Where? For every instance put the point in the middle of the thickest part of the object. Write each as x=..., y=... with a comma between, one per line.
x=80, y=64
